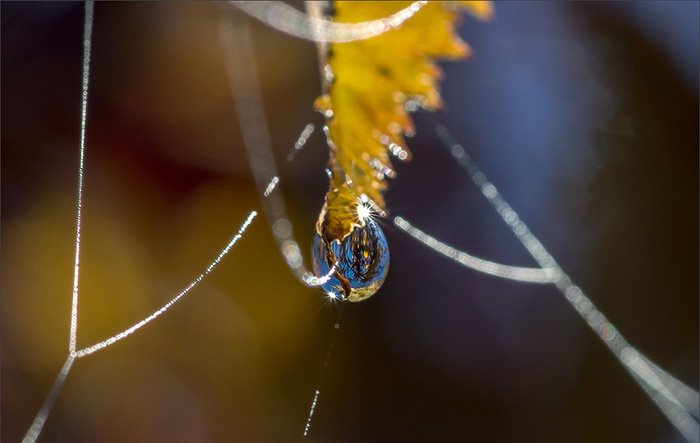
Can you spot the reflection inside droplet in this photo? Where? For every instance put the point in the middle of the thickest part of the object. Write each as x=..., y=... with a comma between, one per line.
x=362, y=262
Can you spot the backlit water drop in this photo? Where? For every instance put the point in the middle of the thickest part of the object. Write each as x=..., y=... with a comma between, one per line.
x=362, y=262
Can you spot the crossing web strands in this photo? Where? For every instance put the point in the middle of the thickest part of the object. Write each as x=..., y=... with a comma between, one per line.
x=73, y=352
x=677, y=401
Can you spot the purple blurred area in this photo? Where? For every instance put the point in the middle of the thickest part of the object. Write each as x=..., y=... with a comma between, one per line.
x=584, y=115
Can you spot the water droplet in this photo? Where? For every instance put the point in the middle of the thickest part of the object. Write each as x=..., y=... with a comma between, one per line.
x=412, y=105
x=362, y=262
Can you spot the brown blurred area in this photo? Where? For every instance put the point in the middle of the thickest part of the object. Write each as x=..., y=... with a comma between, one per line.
x=167, y=185
x=593, y=137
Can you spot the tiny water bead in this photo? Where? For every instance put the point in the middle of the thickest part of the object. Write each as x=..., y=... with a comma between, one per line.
x=361, y=259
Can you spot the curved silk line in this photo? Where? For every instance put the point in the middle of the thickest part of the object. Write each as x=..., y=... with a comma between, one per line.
x=517, y=273
x=295, y=23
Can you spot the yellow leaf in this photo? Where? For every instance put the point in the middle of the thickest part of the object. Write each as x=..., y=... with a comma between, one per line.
x=366, y=104
x=480, y=10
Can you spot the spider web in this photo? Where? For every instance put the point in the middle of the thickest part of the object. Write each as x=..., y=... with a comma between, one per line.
x=677, y=401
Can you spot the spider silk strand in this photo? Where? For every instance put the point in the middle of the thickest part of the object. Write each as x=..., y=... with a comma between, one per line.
x=236, y=43
x=87, y=46
x=285, y=18
x=210, y=267
x=674, y=399
x=42, y=414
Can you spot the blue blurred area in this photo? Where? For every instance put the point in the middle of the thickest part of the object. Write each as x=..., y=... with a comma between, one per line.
x=586, y=122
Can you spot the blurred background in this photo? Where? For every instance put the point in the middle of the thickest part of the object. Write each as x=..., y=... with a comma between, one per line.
x=585, y=115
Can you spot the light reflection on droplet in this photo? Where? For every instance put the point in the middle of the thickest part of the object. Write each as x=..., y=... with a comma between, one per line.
x=363, y=212
x=412, y=105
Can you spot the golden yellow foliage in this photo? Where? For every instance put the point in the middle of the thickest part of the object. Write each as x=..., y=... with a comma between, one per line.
x=374, y=79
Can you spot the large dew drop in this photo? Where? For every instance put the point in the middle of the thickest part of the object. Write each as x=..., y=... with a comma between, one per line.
x=362, y=262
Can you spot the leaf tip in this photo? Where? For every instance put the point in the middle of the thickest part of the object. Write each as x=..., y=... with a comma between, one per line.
x=483, y=10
